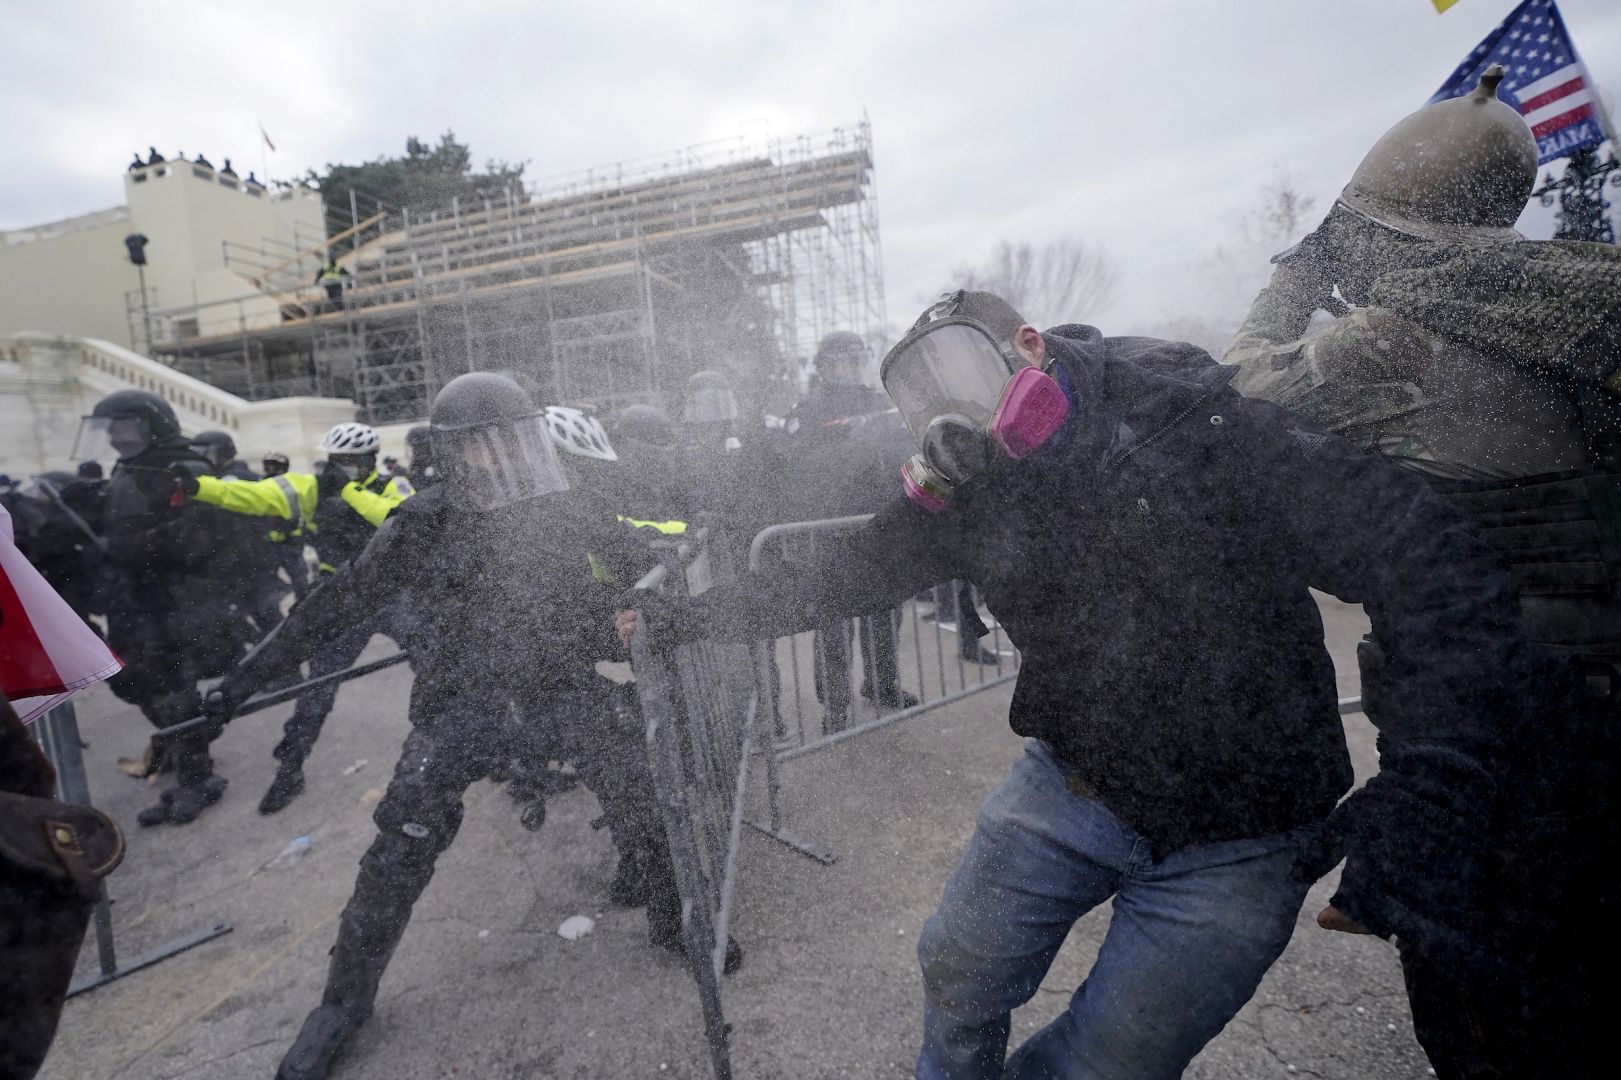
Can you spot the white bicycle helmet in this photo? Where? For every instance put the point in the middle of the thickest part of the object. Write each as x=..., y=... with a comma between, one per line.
x=576, y=433
x=350, y=438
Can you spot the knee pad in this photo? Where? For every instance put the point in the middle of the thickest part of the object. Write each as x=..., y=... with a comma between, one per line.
x=414, y=831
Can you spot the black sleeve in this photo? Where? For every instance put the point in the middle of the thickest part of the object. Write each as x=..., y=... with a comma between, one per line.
x=1444, y=608
x=902, y=551
x=347, y=598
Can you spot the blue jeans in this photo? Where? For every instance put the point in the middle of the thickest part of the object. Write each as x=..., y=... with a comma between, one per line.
x=1191, y=936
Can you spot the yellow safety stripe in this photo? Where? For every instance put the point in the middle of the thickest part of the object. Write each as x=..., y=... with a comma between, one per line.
x=668, y=528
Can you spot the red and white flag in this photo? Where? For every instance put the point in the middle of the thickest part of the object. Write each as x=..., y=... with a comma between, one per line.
x=47, y=653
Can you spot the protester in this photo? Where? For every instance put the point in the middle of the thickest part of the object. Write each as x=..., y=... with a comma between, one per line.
x=1485, y=364
x=1148, y=539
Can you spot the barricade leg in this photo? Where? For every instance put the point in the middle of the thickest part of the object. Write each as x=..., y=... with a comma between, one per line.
x=59, y=735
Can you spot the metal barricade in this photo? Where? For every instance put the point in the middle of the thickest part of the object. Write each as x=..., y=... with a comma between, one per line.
x=700, y=706
x=911, y=660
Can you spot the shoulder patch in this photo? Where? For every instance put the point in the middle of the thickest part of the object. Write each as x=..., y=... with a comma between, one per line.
x=1309, y=442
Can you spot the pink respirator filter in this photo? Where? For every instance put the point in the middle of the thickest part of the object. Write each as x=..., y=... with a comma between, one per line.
x=1032, y=408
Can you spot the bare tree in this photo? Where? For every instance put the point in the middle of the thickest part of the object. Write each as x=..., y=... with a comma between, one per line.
x=1232, y=274
x=1060, y=281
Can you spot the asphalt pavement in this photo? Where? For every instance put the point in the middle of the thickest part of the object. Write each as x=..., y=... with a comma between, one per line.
x=483, y=986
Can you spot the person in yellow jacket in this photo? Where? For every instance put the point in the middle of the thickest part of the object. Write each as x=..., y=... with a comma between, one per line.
x=337, y=508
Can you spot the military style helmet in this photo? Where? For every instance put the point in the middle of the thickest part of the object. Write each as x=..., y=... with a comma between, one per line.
x=1460, y=169
x=576, y=433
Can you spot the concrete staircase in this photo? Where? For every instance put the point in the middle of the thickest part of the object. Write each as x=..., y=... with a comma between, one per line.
x=48, y=383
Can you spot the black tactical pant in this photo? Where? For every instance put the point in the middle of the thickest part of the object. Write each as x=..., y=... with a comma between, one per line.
x=396, y=621
x=160, y=678
x=455, y=744
x=880, y=676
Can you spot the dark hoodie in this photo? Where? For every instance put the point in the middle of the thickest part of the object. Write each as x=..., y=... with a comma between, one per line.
x=1153, y=564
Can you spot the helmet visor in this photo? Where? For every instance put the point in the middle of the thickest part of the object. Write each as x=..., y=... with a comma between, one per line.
x=710, y=405
x=952, y=369
x=504, y=463
x=844, y=365
x=104, y=437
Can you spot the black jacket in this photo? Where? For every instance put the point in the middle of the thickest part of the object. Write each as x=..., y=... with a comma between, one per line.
x=1153, y=566
x=159, y=548
x=507, y=595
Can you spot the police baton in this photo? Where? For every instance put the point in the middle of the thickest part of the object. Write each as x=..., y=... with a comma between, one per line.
x=78, y=522
x=280, y=696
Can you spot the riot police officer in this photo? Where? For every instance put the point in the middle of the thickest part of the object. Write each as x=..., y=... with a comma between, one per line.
x=344, y=505
x=165, y=618
x=498, y=564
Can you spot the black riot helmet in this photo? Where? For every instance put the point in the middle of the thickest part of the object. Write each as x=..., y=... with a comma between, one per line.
x=124, y=424
x=217, y=446
x=644, y=424
x=843, y=359
x=488, y=434
x=419, y=441
x=709, y=399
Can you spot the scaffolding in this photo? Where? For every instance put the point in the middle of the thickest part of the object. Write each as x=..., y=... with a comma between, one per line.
x=599, y=287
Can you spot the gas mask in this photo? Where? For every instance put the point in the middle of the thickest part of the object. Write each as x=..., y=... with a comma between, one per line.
x=967, y=400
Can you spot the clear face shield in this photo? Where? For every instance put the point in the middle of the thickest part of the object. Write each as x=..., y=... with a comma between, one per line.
x=846, y=366
x=710, y=405
x=966, y=401
x=503, y=463
x=103, y=437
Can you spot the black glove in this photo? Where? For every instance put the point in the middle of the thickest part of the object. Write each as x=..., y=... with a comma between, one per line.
x=331, y=481
x=185, y=479
x=1416, y=844
x=222, y=702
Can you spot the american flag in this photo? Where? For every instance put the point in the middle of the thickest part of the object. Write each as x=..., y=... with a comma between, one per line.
x=1544, y=79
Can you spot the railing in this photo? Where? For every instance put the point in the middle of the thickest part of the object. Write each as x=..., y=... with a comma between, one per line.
x=923, y=654
x=700, y=706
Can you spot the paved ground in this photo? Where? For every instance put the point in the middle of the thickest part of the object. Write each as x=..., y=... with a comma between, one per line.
x=483, y=987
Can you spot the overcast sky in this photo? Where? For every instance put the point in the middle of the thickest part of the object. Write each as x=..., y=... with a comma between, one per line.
x=1147, y=127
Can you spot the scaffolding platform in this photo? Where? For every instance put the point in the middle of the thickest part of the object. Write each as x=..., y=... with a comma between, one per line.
x=599, y=287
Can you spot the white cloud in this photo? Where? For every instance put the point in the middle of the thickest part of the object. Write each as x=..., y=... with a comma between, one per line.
x=1147, y=127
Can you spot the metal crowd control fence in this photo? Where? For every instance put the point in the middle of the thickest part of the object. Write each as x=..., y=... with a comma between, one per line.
x=58, y=735
x=700, y=706
x=915, y=657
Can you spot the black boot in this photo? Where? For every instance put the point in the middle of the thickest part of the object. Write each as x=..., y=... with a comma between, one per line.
x=630, y=886
x=894, y=698
x=197, y=790
x=975, y=653
x=319, y=1042
x=287, y=786
x=183, y=803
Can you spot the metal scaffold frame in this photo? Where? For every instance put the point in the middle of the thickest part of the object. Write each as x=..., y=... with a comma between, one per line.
x=600, y=287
